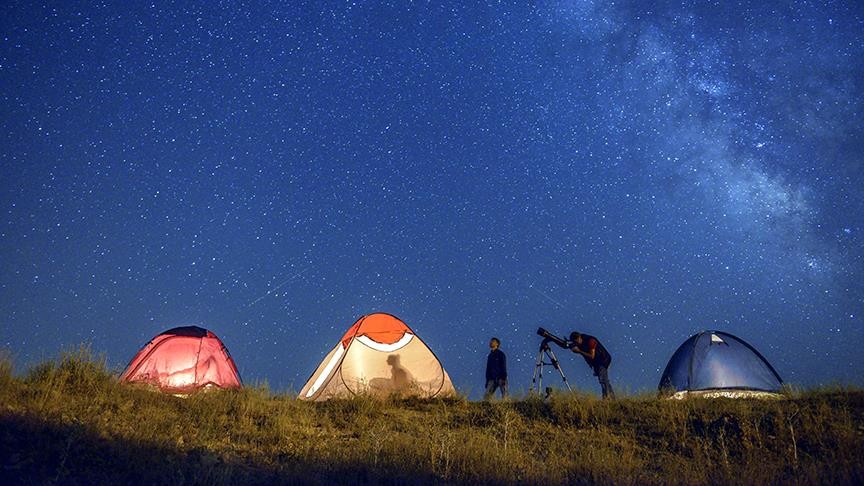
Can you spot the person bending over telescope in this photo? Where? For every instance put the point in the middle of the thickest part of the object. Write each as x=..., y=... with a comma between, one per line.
x=595, y=354
x=597, y=358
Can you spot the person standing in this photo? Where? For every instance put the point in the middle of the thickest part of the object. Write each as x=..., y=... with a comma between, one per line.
x=496, y=370
x=597, y=357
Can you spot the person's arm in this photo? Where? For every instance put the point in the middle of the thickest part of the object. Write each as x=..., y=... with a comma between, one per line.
x=589, y=354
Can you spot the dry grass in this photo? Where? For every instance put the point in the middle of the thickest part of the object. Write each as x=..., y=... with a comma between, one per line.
x=70, y=421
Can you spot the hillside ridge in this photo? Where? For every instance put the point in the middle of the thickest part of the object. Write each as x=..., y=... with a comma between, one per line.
x=70, y=421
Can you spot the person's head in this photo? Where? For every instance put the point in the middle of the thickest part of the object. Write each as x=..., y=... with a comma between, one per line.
x=494, y=343
x=576, y=337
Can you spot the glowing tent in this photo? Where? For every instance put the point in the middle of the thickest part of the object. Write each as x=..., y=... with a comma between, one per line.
x=716, y=363
x=379, y=356
x=182, y=360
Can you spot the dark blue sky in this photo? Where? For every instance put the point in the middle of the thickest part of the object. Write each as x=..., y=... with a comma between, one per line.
x=638, y=171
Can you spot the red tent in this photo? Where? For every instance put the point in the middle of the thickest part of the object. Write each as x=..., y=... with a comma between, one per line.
x=182, y=360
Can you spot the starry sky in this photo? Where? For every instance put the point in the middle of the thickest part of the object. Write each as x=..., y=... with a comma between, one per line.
x=271, y=171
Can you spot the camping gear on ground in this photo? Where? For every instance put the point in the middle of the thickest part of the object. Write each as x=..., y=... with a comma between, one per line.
x=716, y=363
x=183, y=360
x=546, y=351
x=378, y=356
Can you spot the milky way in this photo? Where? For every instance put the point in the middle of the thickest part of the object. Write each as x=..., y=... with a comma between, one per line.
x=273, y=172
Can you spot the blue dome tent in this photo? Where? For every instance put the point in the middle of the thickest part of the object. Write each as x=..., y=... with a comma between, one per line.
x=716, y=363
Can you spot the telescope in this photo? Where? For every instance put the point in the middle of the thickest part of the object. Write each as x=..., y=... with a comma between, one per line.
x=546, y=351
x=549, y=337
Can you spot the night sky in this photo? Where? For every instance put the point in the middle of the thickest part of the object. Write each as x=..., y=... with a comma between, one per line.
x=639, y=171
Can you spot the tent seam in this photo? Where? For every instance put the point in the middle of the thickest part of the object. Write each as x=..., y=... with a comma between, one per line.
x=690, y=361
x=198, y=358
x=348, y=348
x=149, y=353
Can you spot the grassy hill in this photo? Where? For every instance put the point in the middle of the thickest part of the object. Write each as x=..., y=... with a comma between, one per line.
x=71, y=422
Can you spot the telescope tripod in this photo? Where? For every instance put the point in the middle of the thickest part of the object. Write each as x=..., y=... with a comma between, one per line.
x=538, y=368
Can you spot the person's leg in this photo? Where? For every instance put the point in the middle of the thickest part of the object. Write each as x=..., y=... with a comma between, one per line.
x=609, y=384
x=503, y=385
x=605, y=385
x=491, y=385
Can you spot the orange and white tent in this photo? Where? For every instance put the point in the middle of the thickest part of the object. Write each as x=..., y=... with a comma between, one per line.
x=379, y=356
x=182, y=360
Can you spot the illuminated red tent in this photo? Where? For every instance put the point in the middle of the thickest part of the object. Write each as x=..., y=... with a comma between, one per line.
x=182, y=360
